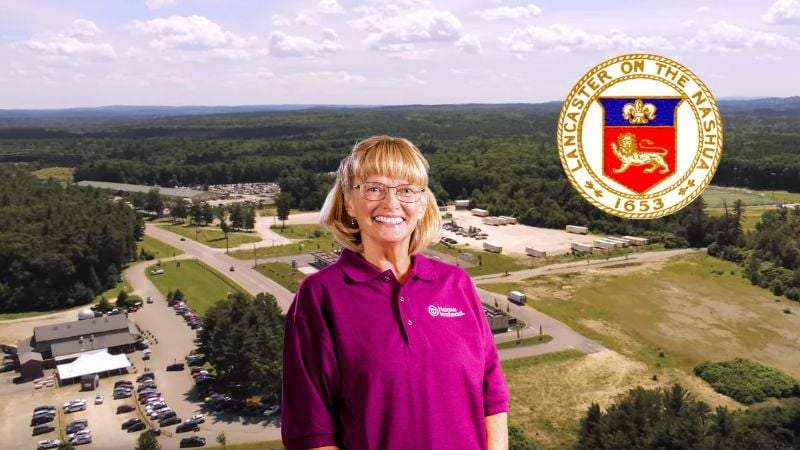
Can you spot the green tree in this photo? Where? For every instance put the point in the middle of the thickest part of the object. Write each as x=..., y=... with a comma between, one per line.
x=66, y=445
x=147, y=441
x=249, y=218
x=236, y=217
x=153, y=202
x=104, y=305
x=207, y=212
x=196, y=212
x=180, y=209
x=283, y=203
x=517, y=440
x=223, y=226
x=122, y=297
x=222, y=440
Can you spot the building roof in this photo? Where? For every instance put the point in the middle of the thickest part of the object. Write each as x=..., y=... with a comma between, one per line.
x=169, y=192
x=94, y=362
x=90, y=342
x=79, y=328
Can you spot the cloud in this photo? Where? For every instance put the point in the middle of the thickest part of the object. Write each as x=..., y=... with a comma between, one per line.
x=155, y=4
x=79, y=40
x=395, y=26
x=703, y=10
x=724, y=37
x=509, y=12
x=281, y=44
x=332, y=77
x=305, y=19
x=566, y=39
x=330, y=7
x=188, y=33
x=469, y=44
x=783, y=12
x=280, y=21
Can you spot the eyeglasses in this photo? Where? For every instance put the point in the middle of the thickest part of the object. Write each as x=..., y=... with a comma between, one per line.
x=406, y=193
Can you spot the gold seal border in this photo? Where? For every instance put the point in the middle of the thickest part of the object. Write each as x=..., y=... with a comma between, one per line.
x=695, y=192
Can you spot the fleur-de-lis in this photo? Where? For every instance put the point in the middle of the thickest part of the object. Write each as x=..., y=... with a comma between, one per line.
x=638, y=112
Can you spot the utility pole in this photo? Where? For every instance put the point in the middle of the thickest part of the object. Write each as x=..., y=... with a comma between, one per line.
x=255, y=256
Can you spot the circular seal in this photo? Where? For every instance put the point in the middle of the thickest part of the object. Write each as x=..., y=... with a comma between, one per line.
x=432, y=310
x=640, y=136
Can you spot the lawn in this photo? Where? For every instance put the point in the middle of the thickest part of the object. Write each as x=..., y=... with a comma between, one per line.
x=482, y=262
x=211, y=236
x=264, y=445
x=282, y=274
x=750, y=216
x=714, y=197
x=157, y=248
x=201, y=285
x=61, y=174
x=308, y=238
x=526, y=342
x=112, y=293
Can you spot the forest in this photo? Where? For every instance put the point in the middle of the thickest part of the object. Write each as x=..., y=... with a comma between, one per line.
x=59, y=246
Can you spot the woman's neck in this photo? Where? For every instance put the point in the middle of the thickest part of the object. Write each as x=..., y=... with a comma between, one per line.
x=394, y=258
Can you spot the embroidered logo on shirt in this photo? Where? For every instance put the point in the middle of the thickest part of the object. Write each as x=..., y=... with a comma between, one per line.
x=442, y=311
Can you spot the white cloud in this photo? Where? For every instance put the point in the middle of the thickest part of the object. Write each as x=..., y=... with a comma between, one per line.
x=331, y=77
x=305, y=19
x=76, y=41
x=727, y=38
x=783, y=12
x=189, y=33
x=562, y=38
x=155, y=4
x=469, y=44
x=703, y=10
x=280, y=21
x=509, y=12
x=330, y=7
x=396, y=26
x=284, y=45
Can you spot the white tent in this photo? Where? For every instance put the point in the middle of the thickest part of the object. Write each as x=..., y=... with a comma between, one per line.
x=91, y=363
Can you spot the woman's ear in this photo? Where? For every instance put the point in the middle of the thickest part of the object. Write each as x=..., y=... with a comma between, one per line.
x=348, y=203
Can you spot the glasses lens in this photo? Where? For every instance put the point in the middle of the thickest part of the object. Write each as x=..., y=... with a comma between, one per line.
x=373, y=191
x=407, y=193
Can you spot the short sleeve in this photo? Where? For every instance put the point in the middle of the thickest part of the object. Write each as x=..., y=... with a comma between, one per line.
x=310, y=382
x=495, y=390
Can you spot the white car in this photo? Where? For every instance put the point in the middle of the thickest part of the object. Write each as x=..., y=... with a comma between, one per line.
x=72, y=402
x=72, y=407
x=48, y=443
x=98, y=399
x=82, y=440
x=270, y=410
x=80, y=434
x=197, y=418
x=153, y=400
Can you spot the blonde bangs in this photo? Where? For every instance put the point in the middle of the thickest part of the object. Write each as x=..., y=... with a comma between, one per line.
x=390, y=157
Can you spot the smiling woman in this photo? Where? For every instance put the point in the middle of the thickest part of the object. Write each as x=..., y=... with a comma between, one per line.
x=387, y=349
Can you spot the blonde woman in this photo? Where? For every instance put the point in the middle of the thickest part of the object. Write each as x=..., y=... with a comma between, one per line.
x=387, y=349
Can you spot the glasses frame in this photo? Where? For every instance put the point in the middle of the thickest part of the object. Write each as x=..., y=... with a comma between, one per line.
x=386, y=191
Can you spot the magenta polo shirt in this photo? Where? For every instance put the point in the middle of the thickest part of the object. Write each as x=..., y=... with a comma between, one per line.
x=370, y=363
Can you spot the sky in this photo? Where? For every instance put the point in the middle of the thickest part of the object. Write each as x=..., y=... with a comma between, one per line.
x=79, y=53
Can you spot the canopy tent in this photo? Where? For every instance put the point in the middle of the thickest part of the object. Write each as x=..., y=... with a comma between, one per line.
x=91, y=363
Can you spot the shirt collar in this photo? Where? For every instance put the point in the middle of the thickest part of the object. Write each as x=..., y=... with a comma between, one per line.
x=359, y=270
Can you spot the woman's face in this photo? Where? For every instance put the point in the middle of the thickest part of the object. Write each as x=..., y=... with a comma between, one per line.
x=384, y=222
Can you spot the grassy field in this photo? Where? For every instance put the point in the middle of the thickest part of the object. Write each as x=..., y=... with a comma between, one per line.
x=112, y=293
x=715, y=196
x=750, y=216
x=157, y=248
x=202, y=285
x=264, y=445
x=211, y=236
x=659, y=320
x=484, y=263
x=60, y=174
x=309, y=238
x=282, y=274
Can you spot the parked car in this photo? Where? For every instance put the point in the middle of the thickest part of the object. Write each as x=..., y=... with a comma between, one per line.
x=125, y=408
x=271, y=410
x=75, y=407
x=175, y=367
x=162, y=415
x=80, y=440
x=149, y=299
x=203, y=373
x=44, y=408
x=138, y=426
x=42, y=429
x=183, y=239
x=98, y=399
x=169, y=421
x=193, y=441
x=157, y=415
x=154, y=431
x=145, y=375
x=128, y=423
x=48, y=443
x=123, y=383
x=44, y=412
x=198, y=418
x=232, y=269
x=146, y=354
x=38, y=420
x=122, y=394
x=77, y=425
x=189, y=425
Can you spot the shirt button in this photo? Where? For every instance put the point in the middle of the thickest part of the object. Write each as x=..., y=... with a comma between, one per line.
x=386, y=278
x=402, y=299
x=409, y=322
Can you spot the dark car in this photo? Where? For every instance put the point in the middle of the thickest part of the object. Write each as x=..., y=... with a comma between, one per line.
x=44, y=408
x=193, y=441
x=125, y=408
x=145, y=375
x=145, y=385
x=154, y=431
x=183, y=239
x=169, y=421
x=38, y=420
x=77, y=425
x=130, y=422
x=138, y=426
x=122, y=394
x=42, y=429
x=147, y=391
x=176, y=367
x=123, y=383
x=189, y=425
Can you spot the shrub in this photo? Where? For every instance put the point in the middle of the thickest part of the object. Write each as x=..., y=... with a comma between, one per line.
x=746, y=381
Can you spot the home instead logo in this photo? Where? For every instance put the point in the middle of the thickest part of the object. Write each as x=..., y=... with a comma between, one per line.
x=442, y=311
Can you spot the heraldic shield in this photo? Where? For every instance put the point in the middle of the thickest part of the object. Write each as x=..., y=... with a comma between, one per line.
x=639, y=140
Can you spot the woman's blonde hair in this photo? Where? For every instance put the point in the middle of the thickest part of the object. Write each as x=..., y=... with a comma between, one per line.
x=389, y=157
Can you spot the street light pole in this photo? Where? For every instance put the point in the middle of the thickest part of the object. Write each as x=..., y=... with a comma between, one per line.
x=773, y=184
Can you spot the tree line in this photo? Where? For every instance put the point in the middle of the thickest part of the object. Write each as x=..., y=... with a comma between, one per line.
x=59, y=246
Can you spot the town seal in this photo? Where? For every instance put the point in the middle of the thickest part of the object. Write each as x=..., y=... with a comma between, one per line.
x=640, y=136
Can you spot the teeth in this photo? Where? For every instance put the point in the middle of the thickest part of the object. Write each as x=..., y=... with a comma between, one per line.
x=392, y=220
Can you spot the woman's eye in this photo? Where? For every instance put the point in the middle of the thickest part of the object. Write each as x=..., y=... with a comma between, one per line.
x=407, y=191
x=373, y=189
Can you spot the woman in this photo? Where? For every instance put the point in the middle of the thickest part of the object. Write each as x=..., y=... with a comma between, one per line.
x=387, y=349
